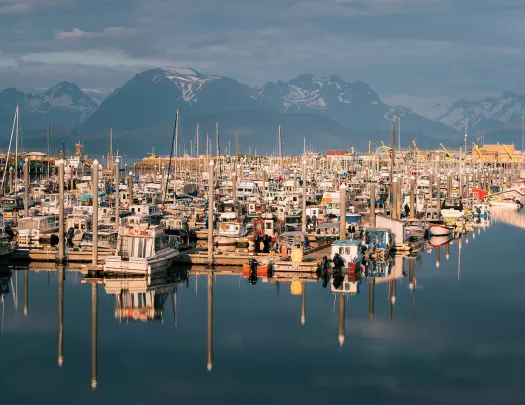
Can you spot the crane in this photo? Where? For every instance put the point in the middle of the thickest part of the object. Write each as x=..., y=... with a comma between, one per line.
x=508, y=153
x=419, y=154
x=446, y=151
x=477, y=150
x=387, y=151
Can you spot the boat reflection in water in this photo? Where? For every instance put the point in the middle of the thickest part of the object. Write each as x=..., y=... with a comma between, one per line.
x=137, y=298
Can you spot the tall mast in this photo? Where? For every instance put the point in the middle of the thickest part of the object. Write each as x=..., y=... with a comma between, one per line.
x=177, y=133
x=236, y=151
x=110, y=155
x=16, y=144
x=173, y=147
x=281, y=151
x=197, y=140
x=392, y=153
x=48, y=149
x=217, y=150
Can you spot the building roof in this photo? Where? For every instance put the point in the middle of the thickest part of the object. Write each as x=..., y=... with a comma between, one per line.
x=336, y=152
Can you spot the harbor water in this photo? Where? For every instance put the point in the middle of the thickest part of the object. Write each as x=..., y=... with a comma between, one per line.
x=457, y=339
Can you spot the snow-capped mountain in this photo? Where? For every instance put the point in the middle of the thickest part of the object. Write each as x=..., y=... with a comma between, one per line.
x=63, y=105
x=489, y=113
x=151, y=97
x=353, y=104
x=189, y=81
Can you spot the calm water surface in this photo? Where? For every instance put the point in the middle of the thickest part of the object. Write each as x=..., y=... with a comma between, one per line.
x=457, y=340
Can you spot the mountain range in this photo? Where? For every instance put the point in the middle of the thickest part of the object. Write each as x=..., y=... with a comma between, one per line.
x=329, y=112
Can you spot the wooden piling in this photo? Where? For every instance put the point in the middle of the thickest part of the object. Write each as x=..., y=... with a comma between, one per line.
x=61, y=221
x=342, y=211
x=94, y=190
x=117, y=193
x=412, y=197
x=211, y=192
x=372, y=205
x=303, y=175
x=26, y=187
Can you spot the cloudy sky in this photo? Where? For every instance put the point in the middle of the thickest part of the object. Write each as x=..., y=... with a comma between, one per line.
x=405, y=49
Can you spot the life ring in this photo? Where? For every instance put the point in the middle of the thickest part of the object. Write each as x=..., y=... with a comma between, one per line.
x=328, y=195
x=223, y=227
x=136, y=231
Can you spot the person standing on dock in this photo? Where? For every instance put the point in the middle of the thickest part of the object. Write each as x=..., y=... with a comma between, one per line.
x=351, y=230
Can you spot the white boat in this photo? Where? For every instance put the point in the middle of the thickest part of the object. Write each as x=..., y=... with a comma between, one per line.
x=107, y=239
x=440, y=230
x=142, y=248
x=452, y=208
x=506, y=203
x=32, y=229
x=229, y=234
x=77, y=225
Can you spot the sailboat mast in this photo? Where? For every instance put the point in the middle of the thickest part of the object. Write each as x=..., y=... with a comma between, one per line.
x=16, y=144
x=392, y=153
x=281, y=151
x=110, y=154
x=197, y=140
x=48, y=149
x=177, y=133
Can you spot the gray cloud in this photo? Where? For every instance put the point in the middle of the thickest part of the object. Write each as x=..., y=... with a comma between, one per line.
x=432, y=48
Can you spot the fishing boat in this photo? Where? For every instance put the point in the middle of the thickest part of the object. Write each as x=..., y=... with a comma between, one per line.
x=178, y=229
x=452, y=207
x=77, y=225
x=31, y=230
x=142, y=248
x=107, y=239
x=440, y=230
x=378, y=241
x=229, y=234
x=351, y=253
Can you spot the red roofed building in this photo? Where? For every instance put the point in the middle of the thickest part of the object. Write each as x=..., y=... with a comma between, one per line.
x=332, y=155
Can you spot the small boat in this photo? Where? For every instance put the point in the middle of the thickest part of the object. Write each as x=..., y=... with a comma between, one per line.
x=142, y=248
x=77, y=225
x=177, y=228
x=229, y=234
x=350, y=251
x=452, y=207
x=506, y=203
x=378, y=241
x=440, y=230
x=31, y=230
x=107, y=239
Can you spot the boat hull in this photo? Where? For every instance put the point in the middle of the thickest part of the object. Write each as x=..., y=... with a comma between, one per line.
x=157, y=264
x=440, y=230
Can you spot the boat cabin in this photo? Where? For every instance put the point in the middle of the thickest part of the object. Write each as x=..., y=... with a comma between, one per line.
x=263, y=226
x=382, y=238
x=327, y=230
x=348, y=249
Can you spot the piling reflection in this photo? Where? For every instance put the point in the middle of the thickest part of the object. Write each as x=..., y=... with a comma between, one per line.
x=5, y=278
